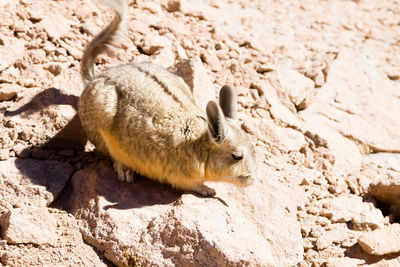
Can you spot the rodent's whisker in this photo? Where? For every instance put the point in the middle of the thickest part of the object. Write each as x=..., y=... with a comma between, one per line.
x=223, y=178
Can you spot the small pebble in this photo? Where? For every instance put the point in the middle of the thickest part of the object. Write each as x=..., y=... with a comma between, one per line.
x=4, y=154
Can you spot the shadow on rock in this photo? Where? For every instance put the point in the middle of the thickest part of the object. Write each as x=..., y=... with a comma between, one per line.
x=37, y=167
x=33, y=182
x=356, y=252
x=99, y=182
x=48, y=97
x=71, y=135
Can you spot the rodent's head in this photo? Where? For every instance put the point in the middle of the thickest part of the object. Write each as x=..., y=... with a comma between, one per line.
x=232, y=157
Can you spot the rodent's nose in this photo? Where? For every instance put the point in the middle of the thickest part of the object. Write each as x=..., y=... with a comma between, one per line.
x=246, y=179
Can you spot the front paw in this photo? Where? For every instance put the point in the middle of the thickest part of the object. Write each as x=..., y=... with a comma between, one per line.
x=205, y=191
x=124, y=174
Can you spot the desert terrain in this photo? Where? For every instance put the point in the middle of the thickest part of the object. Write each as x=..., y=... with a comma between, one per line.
x=318, y=86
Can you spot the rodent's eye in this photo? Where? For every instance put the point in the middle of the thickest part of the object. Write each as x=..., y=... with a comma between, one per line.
x=237, y=157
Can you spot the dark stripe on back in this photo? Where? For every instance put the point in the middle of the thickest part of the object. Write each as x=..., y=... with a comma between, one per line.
x=164, y=86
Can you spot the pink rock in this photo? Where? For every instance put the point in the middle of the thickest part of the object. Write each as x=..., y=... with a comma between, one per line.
x=346, y=154
x=21, y=150
x=195, y=75
x=90, y=28
x=154, y=8
x=385, y=185
x=4, y=154
x=336, y=233
x=387, y=189
x=174, y=5
x=33, y=225
x=286, y=139
x=31, y=182
x=351, y=208
x=186, y=6
x=158, y=50
x=153, y=43
x=346, y=261
x=211, y=59
x=44, y=237
x=147, y=221
x=55, y=26
x=279, y=111
x=358, y=102
x=382, y=241
x=11, y=49
x=293, y=84
x=138, y=26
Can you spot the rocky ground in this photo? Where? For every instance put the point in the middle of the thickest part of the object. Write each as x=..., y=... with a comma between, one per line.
x=319, y=93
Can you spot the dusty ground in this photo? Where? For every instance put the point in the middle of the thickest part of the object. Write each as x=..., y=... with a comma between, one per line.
x=319, y=92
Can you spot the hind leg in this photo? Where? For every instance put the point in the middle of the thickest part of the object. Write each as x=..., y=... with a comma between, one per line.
x=124, y=174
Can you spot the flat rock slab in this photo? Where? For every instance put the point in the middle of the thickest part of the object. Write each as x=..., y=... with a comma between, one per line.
x=383, y=161
x=382, y=241
x=384, y=170
x=45, y=237
x=10, y=51
x=31, y=182
x=55, y=26
x=351, y=208
x=359, y=102
x=285, y=139
x=195, y=75
x=152, y=224
x=294, y=86
x=33, y=225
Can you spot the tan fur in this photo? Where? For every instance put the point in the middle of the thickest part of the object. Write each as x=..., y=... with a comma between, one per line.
x=145, y=118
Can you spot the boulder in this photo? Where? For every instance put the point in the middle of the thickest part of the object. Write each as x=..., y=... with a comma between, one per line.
x=292, y=85
x=195, y=75
x=351, y=208
x=56, y=26
x=31, y=182
x=386, y=189
x=39, y=236
x=381, y=241
x=342, y=102
x=286, y=139
x=34, y=225
x=11, y=49
x=152, y=224
x=10, y=91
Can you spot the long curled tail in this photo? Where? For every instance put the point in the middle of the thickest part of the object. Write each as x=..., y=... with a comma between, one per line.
x=104, y=38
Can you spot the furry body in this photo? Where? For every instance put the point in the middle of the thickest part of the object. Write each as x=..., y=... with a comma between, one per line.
x=144, y=117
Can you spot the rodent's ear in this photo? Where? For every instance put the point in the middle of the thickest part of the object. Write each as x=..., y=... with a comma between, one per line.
x=217, y=126
x=228, y=101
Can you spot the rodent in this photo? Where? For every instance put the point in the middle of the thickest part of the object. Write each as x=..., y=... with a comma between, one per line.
x=145, y=118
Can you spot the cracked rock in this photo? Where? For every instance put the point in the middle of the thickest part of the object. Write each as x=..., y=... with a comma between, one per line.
x=382, y=241
x=146, y=221
x=10, y=51
x=351, y=208
x=33, y=225
x=31, y=182
x=195, y=75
